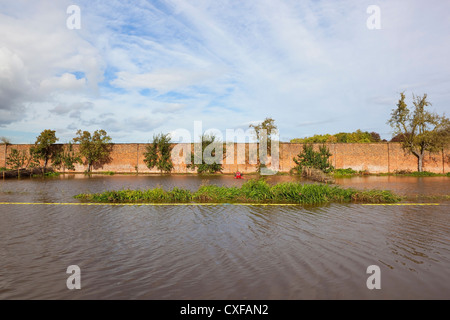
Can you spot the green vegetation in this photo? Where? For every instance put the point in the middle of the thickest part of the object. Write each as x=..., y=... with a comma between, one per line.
x=313, y=159
x=107, y=173
x=252, y=191
x=158, y=154
x=263, y=134
x=423, y=174
x=206, y=150
x=44, y=147
x=342, y=137
x=47, y=174
x=265, y=130
x=417, y=173
x=419, y=130
x=16, y=160
x=349, y=172
x=94, y=148
x=6, y=142
x=66, y=157
x=344, y=172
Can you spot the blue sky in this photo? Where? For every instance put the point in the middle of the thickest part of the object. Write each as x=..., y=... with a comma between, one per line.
x=138, y=68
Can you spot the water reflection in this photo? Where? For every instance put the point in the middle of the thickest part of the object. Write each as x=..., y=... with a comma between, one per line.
x=218, y=252
x=400, y=184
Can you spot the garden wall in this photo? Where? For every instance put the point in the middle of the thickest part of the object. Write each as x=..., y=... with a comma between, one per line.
x=373, y=157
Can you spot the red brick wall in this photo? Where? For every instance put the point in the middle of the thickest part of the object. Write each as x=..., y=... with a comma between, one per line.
x=373, y=157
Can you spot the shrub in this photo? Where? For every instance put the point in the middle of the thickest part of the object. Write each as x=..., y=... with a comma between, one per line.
x=158, y=154
x=310, y=158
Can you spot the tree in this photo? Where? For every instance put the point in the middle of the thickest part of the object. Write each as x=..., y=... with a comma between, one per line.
x=399, y=137
x=206, y=150
x=158, y=154
x=310, y=158
x=264, y=130
x=375, y=137
x=66, y=157
x=6, y=142
x=16, y=160
x=419, y=130
x=96, y=148
x=44, y=148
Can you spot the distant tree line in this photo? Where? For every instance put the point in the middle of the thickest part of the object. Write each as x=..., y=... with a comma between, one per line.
x=342, y=137
x=93, y=149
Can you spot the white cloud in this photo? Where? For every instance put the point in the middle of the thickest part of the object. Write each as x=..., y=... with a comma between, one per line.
x=63, y=109
x=67, y=81
x=162, y=80
x=15, y=88
x=225, y=63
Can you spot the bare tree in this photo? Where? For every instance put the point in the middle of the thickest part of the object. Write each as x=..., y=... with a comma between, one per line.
x=419, y=130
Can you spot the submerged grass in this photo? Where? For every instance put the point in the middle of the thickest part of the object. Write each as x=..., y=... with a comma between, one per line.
x=252, y=191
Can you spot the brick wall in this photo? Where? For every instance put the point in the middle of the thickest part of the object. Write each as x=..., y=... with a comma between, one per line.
x=373, y=157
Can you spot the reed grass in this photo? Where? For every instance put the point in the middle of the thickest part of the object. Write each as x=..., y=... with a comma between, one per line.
x=252, y=191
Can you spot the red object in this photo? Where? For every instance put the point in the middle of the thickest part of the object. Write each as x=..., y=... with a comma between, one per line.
x=238, y=175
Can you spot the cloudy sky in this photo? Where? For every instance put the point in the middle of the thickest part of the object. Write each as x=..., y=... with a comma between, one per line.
x=137, y=68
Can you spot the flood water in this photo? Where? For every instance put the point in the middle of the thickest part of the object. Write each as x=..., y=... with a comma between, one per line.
x=223, y=251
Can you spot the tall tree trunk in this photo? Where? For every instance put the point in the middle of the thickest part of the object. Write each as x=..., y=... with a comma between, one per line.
x=45, y=166
x=420, y=162
x=6, y=146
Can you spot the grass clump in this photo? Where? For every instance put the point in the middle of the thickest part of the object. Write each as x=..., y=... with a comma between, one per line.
x=252, y=191
x=344, y=172
x=423, y=174
x=107, y=173
x=410, y=173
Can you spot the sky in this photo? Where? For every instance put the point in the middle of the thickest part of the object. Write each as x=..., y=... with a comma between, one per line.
x=139, y=68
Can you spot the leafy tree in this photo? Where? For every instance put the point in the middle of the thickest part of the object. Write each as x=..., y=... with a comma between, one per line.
x=375, y=137
x=268, y=127
x=66, y=157
x=33, y=160
x=44, y=147
x=6, y=142
x=310, y=158
x=16, y=160
x=96, y=148
x=206, y=151
x=264, y=130
x=419, y=130
x=400, y=137
x=158, y=154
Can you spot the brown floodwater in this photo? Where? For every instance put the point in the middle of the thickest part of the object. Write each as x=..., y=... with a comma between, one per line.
x=223, y=251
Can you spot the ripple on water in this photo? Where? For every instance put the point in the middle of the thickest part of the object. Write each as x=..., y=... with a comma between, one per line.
x=216, y=252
